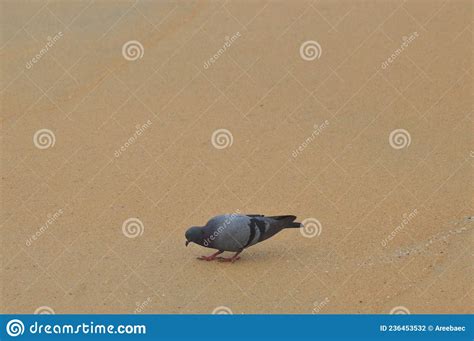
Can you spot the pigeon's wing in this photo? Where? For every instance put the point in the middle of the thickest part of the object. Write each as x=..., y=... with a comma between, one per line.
x=254, y=215
x=262, y=228
x=234, y=233
x=229, y=233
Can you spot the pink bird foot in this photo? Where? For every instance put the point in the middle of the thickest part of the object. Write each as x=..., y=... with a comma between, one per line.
x=211, y=257
x=230, y=259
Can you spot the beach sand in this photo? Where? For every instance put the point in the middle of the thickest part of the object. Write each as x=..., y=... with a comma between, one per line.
x=354, y=116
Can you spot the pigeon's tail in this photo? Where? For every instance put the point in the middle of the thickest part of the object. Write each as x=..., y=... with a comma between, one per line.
x=288, y=220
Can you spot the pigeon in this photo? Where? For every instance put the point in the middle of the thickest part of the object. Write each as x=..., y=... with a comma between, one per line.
x=236, y=232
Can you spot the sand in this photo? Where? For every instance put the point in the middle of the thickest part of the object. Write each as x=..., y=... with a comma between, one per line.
x=368, y=139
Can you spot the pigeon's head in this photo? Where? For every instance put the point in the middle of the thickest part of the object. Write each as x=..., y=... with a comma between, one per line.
x=194, y=235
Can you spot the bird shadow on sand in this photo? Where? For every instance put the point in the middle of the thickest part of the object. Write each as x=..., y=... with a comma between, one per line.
x=245, y=258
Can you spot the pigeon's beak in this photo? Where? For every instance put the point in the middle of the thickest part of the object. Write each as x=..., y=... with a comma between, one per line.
x=187, y=242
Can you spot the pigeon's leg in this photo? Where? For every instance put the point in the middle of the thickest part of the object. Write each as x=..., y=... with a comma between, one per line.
x=230, y=259
x=211, y=257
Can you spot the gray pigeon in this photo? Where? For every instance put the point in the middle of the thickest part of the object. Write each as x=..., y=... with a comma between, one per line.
x=235, y=232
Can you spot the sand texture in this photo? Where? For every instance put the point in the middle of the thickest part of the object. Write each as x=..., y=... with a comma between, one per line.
x=126, y=122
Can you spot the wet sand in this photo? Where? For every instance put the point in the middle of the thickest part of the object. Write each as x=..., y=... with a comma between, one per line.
x=356, y=117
